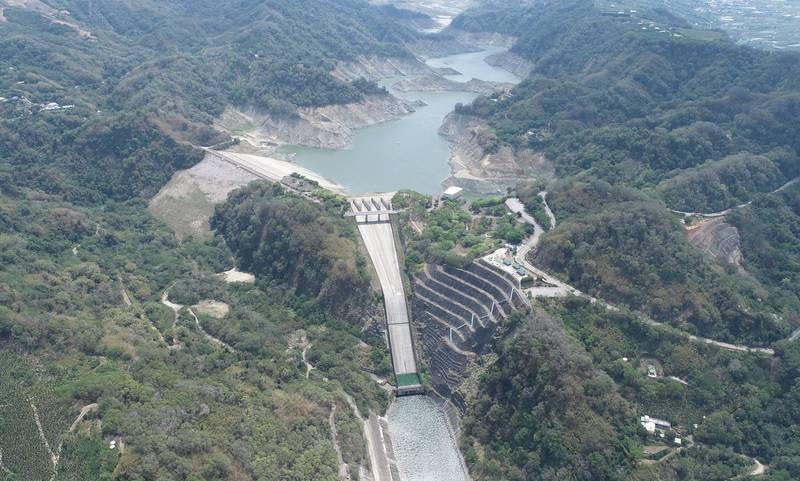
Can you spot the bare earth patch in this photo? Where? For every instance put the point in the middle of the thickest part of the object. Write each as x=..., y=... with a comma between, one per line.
x=211, y=308
x=187, y=202
x=718, y=239
x=235, y=275
x=475, y=170
x=328, y=127
x=59, y=17
x=272, y=169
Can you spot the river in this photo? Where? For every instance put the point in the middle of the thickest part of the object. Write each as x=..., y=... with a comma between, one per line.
x=407, y=153
x=423, y=443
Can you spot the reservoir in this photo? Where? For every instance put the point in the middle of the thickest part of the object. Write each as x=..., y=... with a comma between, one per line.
x=407, y=153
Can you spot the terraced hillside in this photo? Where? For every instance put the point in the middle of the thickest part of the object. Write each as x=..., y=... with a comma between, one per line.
x=458, y=313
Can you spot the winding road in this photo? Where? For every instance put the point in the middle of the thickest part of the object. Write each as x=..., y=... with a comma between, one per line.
x=516, y=206
x=731, y=209
x=176, y=308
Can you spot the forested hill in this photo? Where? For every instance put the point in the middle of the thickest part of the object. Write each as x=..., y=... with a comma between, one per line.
x=640, y=98
x=640, y=113
x=191, y=55
x=98, y=108
x=101, y=93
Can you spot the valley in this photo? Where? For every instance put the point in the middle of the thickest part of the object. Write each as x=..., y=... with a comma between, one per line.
x=330, y=240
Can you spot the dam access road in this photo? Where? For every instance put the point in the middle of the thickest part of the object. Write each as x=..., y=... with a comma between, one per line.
x=374, y=224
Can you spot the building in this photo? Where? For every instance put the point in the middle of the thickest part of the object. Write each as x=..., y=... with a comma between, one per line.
x=452, y=193
x=651, y=424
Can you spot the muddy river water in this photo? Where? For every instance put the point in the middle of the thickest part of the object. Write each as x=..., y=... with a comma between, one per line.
x=407, y=153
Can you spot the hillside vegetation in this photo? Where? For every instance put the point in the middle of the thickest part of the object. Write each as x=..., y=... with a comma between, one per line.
x=742, y=404
x=293, y=244
x=183, y=60
x=544, y=412
x=100, y=107
x=183, y=407
x=633, y=252
x=639, y=103
x=105, y=116
x=640, y=114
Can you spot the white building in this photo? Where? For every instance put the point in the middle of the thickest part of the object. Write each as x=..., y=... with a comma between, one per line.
x=452, y=193
x=651, y=424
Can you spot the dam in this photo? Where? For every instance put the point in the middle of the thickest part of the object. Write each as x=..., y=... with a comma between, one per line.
x=372, y=215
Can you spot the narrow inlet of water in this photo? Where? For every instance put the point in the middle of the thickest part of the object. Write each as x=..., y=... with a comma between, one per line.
x=407, y=153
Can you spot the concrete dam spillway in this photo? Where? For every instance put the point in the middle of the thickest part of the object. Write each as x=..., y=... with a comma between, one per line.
x=372, y=216
x=423, y=441
x=417, y=440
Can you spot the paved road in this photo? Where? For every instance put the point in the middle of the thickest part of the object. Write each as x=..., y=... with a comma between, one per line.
x=543, y=195
x=563, y=288
x=730, y=209
x=379, y=240
x=377, y=450
x=273, y=169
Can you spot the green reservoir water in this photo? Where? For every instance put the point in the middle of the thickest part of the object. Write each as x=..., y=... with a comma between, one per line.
x=471, y=65
x=407, y=153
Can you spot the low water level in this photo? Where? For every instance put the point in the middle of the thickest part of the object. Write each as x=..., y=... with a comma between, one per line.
x=423, y=444
x=470, y=65
x=407, y=153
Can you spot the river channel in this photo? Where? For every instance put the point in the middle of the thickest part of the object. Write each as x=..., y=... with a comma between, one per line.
x=423, y=442
x=407, y=153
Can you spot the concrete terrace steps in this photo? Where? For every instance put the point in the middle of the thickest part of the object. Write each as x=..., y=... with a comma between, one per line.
x=493, y=276
x=445, y=316
x=470, y=288
x=458, y=312
x=478, y=306
x=438, y=346
x=481, y=311
x=474, y=296
x=447, y=361
x=475, y=279
x=441, y=329
x=447, y=326
x=452, y=360
x=505, y=279
x=452, y=346
x=448, y=366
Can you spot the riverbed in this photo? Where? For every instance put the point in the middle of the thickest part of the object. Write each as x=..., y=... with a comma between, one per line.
x=424, y=445
x=407, y=153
